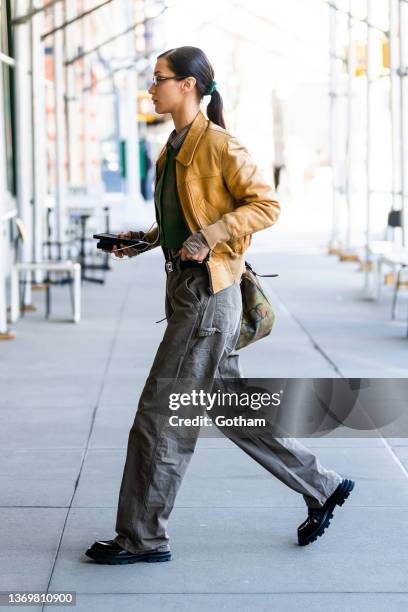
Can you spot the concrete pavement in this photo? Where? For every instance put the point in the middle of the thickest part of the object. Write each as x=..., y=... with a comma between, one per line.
x=68, y=397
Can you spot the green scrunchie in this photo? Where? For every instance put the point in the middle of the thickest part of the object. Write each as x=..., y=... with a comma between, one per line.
x=212, y=88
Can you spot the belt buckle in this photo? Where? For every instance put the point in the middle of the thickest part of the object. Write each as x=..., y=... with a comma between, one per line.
x=169, y=266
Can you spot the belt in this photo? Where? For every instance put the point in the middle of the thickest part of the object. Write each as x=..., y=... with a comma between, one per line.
x=172, y=261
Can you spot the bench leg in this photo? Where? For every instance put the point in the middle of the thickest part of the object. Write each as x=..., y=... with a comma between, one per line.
x=407, y=327
x=47, y=298
x=77, y=293
x=15, y=306
x=378, y=279
x=71, y=293
x=394, y=298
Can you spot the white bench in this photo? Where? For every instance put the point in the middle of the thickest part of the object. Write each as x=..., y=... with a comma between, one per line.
x=381, y=252
x=397, y=260
x=74, y=269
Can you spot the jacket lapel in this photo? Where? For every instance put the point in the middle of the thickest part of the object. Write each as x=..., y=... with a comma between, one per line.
x=197, y=129
x=160, y=162
x=185, y=155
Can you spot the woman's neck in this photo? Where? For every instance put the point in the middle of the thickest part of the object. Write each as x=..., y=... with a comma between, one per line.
x=184, y=116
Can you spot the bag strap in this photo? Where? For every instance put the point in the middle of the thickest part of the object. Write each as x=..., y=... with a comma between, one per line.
x=248, y=265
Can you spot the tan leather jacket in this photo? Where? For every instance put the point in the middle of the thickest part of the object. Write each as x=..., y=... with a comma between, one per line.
x=222, y=193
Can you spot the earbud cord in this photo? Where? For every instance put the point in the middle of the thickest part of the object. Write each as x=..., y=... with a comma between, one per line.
x=129, y=246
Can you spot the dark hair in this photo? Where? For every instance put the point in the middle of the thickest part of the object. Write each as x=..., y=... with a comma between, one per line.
x=192, y=61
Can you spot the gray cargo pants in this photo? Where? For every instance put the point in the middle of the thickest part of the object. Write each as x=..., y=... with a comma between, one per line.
x=202, y=331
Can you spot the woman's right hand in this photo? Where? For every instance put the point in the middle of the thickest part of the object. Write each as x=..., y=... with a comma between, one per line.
x=122, y=250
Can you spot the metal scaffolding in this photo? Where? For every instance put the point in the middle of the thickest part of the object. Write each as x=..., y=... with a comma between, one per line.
x=80, y=63
x=394, y=43
x=403, y=85
x=61, y=29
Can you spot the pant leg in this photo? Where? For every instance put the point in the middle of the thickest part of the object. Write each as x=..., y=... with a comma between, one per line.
x=284, y=457
x=201, y=332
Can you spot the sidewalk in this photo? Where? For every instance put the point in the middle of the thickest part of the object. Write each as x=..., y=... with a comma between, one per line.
x=68, y=398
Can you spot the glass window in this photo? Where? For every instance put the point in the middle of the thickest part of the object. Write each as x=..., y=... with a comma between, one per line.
x=6, y=47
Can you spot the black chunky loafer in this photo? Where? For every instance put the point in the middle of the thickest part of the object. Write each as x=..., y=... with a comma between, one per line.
x=109, y=552
x=319, y=518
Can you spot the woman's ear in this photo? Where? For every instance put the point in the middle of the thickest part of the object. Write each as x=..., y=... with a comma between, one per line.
x=189, y=83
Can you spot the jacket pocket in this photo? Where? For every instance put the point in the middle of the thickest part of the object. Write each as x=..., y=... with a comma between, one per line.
x=208, y=212
x=235, y=246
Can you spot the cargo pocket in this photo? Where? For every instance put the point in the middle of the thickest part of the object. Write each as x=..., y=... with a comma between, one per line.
x=222, y=313
x=207, y=326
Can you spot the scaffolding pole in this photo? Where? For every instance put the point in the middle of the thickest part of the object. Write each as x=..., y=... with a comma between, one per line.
x=86, y=96
x=38, y=126
x=333, y=108
x=350, y=109
x=71, y=101
x=65, y=24
x=131, y=125
x=22, y=96
x=111, y=39
x=4, y=217
x=395, y=104
x=33, y=12
x=369, y=79
x=60, y=183
x=403, y=57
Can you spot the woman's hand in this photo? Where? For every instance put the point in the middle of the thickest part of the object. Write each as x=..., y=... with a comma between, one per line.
x=198, y=256
x=194, y=248
x=121, y=250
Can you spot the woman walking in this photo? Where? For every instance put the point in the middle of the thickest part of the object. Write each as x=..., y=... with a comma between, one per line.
x=210, y=198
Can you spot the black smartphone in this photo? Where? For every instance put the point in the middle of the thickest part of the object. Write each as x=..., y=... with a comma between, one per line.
x=107, y=241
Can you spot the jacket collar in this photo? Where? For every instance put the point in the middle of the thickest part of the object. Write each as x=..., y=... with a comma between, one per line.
x=186, y=152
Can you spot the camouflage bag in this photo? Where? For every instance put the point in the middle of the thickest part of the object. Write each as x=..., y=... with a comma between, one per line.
x=257, y=313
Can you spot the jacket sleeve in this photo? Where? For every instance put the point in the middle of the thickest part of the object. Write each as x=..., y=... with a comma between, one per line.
x=151, y=237
x=256, y=206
